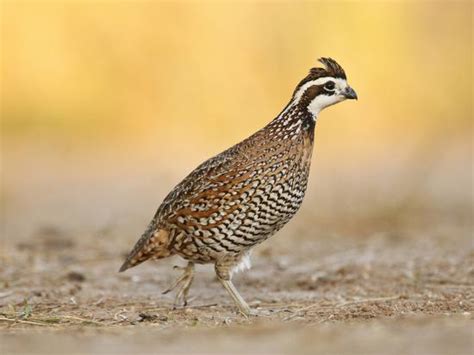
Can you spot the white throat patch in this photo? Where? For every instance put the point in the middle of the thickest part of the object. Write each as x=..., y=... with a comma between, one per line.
x=322, y=101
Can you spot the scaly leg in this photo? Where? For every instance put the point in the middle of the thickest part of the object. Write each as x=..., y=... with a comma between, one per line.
x=183, y=283
x=224, y=268
x=244, y=308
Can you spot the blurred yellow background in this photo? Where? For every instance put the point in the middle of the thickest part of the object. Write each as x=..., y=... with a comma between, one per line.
x=107, y=105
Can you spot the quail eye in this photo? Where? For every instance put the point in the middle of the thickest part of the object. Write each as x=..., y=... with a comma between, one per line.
x=329, y=86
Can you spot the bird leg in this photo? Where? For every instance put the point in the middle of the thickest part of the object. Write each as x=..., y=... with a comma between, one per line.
x=183, y=283
x=224, y=268
x=244, y=308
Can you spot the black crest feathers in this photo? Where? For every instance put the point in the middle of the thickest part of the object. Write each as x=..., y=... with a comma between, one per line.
x=331, y=68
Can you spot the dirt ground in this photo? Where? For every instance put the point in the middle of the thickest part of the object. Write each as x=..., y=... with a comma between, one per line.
x=406, y=291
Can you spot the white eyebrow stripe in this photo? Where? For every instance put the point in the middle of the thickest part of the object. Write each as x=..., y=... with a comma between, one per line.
x=323, y=80
x=319, y=81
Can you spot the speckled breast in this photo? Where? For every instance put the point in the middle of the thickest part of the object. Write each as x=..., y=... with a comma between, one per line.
x=259, y=192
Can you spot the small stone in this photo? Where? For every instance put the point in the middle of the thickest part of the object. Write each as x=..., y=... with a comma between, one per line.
x=76, y=276
x=145, y=317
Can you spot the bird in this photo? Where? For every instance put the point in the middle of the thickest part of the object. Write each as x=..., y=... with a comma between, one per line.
x=244, y=195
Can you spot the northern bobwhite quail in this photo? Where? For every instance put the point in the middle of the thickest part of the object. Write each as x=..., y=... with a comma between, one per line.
x=241, y=197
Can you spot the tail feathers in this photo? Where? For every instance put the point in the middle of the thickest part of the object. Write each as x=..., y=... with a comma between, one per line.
x=136, y=256
x=130, y=262
x=151, y=244
x=126, y=265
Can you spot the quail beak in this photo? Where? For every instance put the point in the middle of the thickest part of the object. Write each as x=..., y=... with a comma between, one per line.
x=350, y=94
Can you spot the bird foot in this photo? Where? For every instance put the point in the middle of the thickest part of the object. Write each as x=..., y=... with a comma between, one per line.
x=182, y=284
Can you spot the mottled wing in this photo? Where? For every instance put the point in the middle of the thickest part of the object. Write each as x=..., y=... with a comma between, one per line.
x=154, y=240
x=199, y=180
